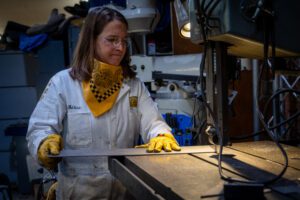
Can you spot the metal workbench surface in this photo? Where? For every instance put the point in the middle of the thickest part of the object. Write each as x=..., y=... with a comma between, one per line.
x=196, y=176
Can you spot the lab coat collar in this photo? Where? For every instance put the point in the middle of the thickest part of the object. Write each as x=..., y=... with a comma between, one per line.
x=124, y=89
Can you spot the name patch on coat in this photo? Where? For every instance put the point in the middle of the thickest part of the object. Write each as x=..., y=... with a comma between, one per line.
x=73, y=107
x=133, y=101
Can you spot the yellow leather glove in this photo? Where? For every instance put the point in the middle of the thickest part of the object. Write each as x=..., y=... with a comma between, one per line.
x=51, y=145
x=51, y=194
x=164, y=141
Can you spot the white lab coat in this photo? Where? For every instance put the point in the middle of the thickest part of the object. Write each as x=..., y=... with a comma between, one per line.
x=62, y=110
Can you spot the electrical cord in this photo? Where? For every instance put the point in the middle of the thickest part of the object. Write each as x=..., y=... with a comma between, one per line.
x=280, y=91
x=288, y=128
x=290, y=119
x=243, y=137
x=207, y=12
x=260, y=114
x=203, y=123
x=202, y=5
x=201, y=21
x=293, y=117
x=220, y=155
x=267, y=32
x=200, y=117
x=212, y=8
x=261, y=117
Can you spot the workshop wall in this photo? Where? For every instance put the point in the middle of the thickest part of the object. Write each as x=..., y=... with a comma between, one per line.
x=30, y=12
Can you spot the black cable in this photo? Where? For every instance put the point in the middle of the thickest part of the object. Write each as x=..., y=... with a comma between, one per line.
x=202, y=5
x=284, y=90
x=242, y=137
x=202, y=63
x=289, y=127
x=207, y=6
x=291, y=118
x=264, y=182
x=274, y=96
x=196, y=114
x=229, y=179
x=203, y=123
x=220, y=138
x=213, y=7
x=201, y=18
x=207, y=12
x=202, y=67
x=261, y=117
x=272, y=33
x=204, y=38
x=193, y=121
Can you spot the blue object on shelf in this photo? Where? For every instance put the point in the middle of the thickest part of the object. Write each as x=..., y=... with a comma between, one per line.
x=28, y=43
x=180, y=125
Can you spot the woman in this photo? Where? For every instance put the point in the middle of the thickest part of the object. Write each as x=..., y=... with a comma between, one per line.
x=97, y=104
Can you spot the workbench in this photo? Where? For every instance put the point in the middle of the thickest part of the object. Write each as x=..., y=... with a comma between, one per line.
x=196, y=176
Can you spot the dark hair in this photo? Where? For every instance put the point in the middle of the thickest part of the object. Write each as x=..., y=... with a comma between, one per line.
x=96, y=20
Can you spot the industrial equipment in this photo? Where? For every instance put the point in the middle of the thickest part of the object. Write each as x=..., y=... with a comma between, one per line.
x=244, y=25
x=260, y=29
x=172, y=81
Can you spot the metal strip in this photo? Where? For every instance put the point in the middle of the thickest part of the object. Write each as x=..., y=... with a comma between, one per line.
x=129, y=152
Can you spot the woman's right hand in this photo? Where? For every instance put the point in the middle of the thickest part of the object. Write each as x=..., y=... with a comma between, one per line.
x=51, y=145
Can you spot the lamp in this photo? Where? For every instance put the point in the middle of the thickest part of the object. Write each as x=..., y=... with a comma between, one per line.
x=182, y=18
x=142, y=16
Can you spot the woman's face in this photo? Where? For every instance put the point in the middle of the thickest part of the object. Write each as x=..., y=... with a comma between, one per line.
x=111, y=43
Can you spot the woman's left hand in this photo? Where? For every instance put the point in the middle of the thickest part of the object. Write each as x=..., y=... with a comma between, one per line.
x=164, y=141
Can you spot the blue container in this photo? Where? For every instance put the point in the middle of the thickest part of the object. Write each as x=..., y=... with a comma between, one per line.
x=180, y=125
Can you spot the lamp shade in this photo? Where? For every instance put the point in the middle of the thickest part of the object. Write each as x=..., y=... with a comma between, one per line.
x=142, y=16
x=182, y=19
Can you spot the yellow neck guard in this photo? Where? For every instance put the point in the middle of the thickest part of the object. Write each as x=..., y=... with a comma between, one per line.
x=101, y=91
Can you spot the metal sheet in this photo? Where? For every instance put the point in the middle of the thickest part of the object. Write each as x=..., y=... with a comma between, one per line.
x=180, y=177
x=195, y=176
x=130, y=152
x=177, y=177
x=269, y=151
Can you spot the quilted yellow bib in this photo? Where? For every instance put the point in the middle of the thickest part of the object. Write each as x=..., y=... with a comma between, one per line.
x=101, y=91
